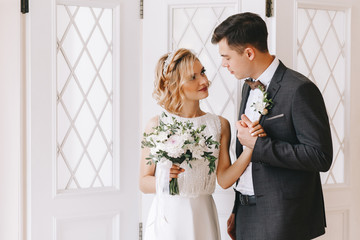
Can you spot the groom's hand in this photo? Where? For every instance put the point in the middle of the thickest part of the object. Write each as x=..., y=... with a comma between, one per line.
x=231, y=226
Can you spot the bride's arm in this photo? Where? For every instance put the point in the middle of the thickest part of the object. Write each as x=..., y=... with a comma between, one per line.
x=147, y=172
x=227, y=174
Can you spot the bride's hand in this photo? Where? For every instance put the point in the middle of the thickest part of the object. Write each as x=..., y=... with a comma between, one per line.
x=256, y=130
x=249, y=131
x=175, y=170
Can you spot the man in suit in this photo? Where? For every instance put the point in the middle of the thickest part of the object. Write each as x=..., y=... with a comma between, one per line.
x=279, y=196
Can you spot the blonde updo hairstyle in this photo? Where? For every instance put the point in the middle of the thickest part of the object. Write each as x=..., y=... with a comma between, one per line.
x=169, y=80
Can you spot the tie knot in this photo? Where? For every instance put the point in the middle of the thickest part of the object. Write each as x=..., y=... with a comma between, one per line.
x=254, y=84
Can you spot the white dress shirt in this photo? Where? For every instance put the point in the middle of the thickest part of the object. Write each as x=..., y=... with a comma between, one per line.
x=245, y=184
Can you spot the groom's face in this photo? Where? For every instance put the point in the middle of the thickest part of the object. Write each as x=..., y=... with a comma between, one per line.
x=237, y=64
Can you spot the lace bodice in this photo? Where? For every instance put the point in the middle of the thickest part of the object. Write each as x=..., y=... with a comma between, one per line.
x=196, y=179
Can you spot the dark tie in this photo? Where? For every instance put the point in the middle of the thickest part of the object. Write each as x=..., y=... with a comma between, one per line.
x=254, y=84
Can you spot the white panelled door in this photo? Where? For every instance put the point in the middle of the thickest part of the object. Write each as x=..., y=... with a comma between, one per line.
x=83, y=120
x=319, y=39
x=173, y=24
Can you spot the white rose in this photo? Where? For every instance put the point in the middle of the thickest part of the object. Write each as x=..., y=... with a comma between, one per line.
x=153, y=150
x=197, y=152
x=162, y=136
x=202, y=142
x=159, y=146
x=259, y=106
x=175, y=141
x=173, y=146
x=175, y=152
x=187, y=136
x=190, y=147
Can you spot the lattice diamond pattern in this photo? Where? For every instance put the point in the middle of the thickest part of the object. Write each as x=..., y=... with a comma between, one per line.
x=321, y=57
x=192, y=27
x=84, y=97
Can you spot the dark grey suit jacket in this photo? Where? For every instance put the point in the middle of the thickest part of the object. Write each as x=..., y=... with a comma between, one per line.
x=286, y=163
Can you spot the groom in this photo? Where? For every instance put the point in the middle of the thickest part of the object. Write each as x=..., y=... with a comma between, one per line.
x=279, y=196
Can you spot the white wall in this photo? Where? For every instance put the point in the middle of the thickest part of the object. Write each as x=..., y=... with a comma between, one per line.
x=9, y=119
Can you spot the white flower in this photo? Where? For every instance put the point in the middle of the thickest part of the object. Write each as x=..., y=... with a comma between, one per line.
x=187, y=136
x=159, y=146
x=149, y=138
x=263, y=104
x=197, y=152
x=175, y=152
x=190, y=147
x=174, y=145
x=259, y=106
x=175, y=140
x=202, y=142
x=162, y=136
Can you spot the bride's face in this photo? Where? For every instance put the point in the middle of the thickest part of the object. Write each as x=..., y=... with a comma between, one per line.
x=196, y=88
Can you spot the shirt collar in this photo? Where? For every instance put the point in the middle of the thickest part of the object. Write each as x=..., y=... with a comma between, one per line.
x=267, y=75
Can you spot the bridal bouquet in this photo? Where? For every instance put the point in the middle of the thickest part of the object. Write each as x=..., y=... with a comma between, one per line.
x=178, y=142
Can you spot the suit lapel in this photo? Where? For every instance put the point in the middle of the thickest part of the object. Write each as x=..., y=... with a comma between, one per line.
x=275, y=85
x=245, y=95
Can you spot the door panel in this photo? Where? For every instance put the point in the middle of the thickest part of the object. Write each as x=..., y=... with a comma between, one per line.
x=83, y=135
x=321, y=46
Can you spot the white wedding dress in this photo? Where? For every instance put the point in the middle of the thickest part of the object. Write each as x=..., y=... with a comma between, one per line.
x=192, y=214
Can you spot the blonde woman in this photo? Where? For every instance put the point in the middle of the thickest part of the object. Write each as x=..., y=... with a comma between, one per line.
x=180, y=84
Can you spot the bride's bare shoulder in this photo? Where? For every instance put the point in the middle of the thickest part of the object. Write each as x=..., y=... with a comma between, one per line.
x=153, y=122
x=225, y=126
x=224, y=121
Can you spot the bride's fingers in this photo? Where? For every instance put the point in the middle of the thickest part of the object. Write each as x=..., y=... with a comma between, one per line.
x=262, y=135
x=255, y=128
x=175, y=171
x=259, y=133
x=254, y=124
x=256, y=131
x=260, y=130
x=240, y=124
x=175, y=167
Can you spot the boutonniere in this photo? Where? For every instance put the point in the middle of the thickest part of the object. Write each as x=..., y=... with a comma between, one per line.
x=264, y=104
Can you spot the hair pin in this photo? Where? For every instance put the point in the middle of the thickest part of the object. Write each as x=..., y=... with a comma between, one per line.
x=168, y=61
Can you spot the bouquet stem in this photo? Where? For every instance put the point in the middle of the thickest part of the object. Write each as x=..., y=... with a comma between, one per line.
x=174, y=186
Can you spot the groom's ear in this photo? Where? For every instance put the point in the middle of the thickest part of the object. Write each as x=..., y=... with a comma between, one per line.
x=249, y=53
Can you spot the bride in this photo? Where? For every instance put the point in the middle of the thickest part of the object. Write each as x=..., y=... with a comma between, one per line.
x=180, y=84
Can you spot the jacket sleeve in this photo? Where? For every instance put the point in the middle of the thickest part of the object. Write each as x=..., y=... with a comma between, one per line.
x=312, y=151
x=234, y=210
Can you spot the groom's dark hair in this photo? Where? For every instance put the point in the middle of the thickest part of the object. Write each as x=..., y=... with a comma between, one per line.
x=242, y=29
